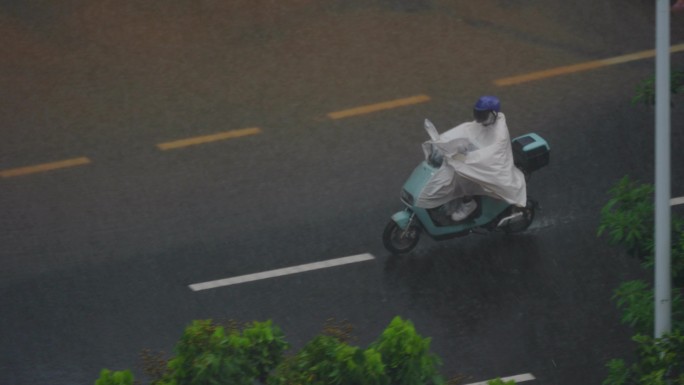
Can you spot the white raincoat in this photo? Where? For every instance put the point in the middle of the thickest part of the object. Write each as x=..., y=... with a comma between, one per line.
x=478, y=160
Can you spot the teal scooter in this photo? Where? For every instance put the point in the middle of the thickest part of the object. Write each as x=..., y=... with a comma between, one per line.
x=530, y=152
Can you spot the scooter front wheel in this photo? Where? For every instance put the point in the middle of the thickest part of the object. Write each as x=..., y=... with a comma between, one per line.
x=398, y=240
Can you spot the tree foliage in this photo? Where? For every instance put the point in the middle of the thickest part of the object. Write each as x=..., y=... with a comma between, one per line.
x=211, y=354
x=407, y=355
x=636, y=300
x=207, y=354
x=327, y=360
x=628, y=221
x=660, y=361
x=645, y=91
x=627, y=217
x=108, y=377
x=498, y=381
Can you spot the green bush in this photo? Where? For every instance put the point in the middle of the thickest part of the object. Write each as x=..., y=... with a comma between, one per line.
x=498, y=381
x=399, y=357
x=676, y=253
x=406, y=355
x=636, y=300
x=107, y=377
x=645, y=91
x=627, y=218
x=265, y=347
x=628, y=221
x=660, y=361
x=206, y=354
x=325, y=360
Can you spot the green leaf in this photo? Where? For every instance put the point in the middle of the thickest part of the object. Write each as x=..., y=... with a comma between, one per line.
x=108, y=377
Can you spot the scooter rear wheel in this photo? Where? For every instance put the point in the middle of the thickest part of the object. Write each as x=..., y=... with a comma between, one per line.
x=524, y=222
x=399, y=241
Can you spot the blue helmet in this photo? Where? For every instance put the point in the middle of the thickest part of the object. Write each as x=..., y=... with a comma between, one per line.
x=486, y=109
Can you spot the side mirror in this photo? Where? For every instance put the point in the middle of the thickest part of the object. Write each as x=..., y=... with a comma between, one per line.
x=431, y=130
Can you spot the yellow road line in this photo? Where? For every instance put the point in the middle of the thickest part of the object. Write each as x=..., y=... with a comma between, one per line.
x=44, y=167
x=509, y=81
x=379, y=107
x=208, y=138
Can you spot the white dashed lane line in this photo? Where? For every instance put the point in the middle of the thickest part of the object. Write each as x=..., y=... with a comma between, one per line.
x=281, y=272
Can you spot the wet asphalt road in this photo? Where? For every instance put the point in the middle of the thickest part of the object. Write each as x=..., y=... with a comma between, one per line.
x=97, y=258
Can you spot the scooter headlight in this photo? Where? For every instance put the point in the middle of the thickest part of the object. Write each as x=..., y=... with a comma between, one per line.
x=407, y=198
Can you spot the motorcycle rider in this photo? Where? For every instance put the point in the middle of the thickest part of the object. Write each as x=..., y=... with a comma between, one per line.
x=478, y=161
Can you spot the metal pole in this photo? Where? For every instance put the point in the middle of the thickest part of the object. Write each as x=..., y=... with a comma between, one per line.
x=663, y=278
